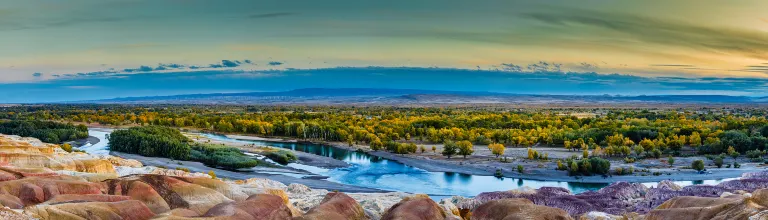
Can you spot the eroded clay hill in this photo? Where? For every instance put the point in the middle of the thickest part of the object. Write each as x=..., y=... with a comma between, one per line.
x=42, y=181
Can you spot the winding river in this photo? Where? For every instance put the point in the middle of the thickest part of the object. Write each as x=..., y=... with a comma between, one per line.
x=375, y=172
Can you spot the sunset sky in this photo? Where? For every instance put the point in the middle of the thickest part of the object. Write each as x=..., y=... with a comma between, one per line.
x=44, y=44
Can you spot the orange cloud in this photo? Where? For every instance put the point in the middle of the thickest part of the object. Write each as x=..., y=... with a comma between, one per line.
x=764, y=20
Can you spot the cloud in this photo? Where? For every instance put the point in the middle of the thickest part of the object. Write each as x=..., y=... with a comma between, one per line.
x=271, y=15
x=589, y=66
x=162, y=67
x=275, y=63
x=510, y=78
x=723, y=40
x=672, y=65
x=36, y=75
x=140, y=69
x=229, y=63
x=15, y=25
x=756, y=68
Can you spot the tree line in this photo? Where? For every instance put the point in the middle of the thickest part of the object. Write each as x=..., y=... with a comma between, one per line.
x=614, y=132
x=46, y=131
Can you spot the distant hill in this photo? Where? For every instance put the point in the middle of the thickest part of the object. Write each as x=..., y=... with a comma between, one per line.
x=366, y=96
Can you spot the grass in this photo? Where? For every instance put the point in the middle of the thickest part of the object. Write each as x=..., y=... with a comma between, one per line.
x=228, y=158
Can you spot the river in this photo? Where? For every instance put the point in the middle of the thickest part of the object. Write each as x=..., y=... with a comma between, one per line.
x=376, y=172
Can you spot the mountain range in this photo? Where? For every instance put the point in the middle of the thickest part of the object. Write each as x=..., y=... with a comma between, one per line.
x=377, y=96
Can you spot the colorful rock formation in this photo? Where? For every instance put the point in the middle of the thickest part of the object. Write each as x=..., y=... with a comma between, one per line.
x=41, y=181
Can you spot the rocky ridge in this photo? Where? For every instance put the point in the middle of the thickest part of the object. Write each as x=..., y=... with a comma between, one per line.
x=42, y=181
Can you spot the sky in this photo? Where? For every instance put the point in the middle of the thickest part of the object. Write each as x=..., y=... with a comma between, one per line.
x=53, y=50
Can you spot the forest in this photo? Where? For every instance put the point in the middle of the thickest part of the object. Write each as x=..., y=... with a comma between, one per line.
x=46, y=131
x=160, y=141
x=612, y=131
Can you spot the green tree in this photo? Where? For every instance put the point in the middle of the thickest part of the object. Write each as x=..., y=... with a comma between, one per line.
x=670, y=160
x=698, y=165
x=718, y=162
x=449, y=148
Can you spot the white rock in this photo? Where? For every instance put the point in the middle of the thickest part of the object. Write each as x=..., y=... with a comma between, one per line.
x=600, y=216
x=298, y=188
x=450, y=208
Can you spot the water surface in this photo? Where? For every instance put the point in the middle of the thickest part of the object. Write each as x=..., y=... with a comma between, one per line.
x=376, y=172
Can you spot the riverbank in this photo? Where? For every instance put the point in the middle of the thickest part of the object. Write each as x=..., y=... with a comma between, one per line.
x=304, y=158
x=201, y=168
x=285, y=175
x=483, y=163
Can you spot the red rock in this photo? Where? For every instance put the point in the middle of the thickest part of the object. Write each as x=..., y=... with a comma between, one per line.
x=414, y=208
x=35, y=190
x=260, y=206
x=11, y=201
x=123, y=210
x=335, y=205
x=169, y=191
x=139, y=191
x=74, y=198
x=31, y=194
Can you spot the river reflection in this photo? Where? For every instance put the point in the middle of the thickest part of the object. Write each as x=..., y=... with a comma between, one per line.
x=376, y=172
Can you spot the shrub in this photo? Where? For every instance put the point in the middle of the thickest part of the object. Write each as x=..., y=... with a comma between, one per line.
x=66, y=147
x=755, y=153
x=656, y=153
x=698, y=165
x=182, y=169
x=671, y=160
x=228, y=158
x=520, y=169
x=718, y=162
x=498, y=173
x=629, y=160
x=282, y=157
x=574, y=168
x=599, y=165
x=560, y=165
x=625, y=171
x=212, y=174
x=736, y=165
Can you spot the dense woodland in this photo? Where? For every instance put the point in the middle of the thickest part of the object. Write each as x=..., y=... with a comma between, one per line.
x=46, y=131
x=159, y=141
x=605, y=132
